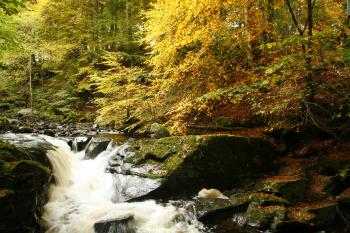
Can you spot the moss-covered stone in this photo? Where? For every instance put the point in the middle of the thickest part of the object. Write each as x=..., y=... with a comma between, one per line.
x=289, y=187
x=24, y=179
x=241, y=201
x=4, y=124
x=193, y=162
x=262, y=217
x=208, y=209
x=265, y=199
x=309, y=216
x=159, y=131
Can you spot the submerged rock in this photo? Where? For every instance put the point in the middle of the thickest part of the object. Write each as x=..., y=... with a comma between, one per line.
x=120, y=225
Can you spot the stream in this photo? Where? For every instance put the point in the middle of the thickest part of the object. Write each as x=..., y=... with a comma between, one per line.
x=84, y=194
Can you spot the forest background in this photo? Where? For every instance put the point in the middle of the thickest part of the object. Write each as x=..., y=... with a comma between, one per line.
x=183, y=63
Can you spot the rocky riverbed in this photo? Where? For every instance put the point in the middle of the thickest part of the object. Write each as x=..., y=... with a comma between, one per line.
x=268, y=188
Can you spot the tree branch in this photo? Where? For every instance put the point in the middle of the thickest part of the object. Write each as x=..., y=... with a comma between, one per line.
x=295, y=21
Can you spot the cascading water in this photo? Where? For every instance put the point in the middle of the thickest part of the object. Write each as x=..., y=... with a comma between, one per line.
x=83, y=195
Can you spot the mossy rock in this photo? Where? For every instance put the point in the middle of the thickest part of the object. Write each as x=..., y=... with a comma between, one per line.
x=4, y=124
x=24, y=180
x=265, y=199
x=288, y=187
x=309, y=216
x=241, y=201
x=212, y=209
x=262, y=217
x=193, y=162
x=244, y=199
x=159, y=131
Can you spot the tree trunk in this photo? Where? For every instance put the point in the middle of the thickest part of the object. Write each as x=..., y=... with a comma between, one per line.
x=308, y=56
x=30, y=82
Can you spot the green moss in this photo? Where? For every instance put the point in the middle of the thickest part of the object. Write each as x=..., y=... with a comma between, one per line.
x=289, y=187
x=161, y=149
x=262, y=217
x=268, y=199
x=172, y=163
x=4, y=123
x=10, y=153
x=13, y=166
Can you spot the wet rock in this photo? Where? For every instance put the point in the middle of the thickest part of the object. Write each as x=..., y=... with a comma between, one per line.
x=79, y=143
x=289, y=187
x=95, y=147
x=159, y=131
x=23, y=187
x=262, y=217
x=193, y=162
x=209, y=209
x=120, y=225
x=241, y=201
x=49, y=132
x=25, y=129
x=4, y=124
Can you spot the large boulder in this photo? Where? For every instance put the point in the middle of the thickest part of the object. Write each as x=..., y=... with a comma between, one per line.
x=24, y=180
x=189, y=163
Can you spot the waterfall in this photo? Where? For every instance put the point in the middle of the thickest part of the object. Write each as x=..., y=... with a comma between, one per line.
x=83, y=194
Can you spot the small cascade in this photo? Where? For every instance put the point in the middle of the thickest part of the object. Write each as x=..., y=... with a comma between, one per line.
x=83, y=199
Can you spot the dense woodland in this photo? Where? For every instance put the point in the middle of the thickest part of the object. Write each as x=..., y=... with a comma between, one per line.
x=227, y=63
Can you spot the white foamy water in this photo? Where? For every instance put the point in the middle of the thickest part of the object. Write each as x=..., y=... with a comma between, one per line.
x=83, y=195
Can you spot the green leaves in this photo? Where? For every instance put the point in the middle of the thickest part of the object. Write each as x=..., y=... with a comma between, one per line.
x=11, y=6
x=284, y=63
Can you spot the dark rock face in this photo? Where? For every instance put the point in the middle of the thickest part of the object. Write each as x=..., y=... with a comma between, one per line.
x=25, y=129
x=95, y=147
x=24, y=180
x=120, y=225
x=193, y=162
x=79, y=143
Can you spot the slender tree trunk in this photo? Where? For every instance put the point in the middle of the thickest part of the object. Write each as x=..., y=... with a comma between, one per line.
x=30, y=83
x=348, y=11
x=249, y=43
x=127, y=16
x=308, y=55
